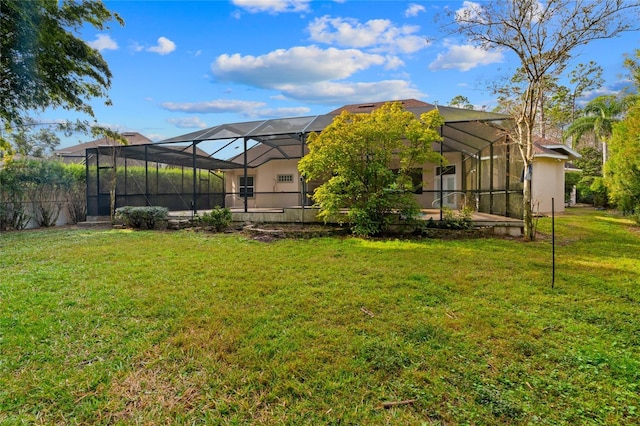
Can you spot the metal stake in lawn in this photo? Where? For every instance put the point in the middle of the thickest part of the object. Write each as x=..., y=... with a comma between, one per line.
x=553, y=243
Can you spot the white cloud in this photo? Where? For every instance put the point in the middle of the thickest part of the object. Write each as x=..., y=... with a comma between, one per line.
x=188, y=123
x=103, y=42
x=413, y=10
x=338, y=93
x=136, y=47
x=216, y=106
x=464, y=58
x=475, y=12
x=469, y=11
x=298, y=65
x=393, y=62
x=279, y=112
x=250, y=109
x=164, y=46
x=273, y=6
x=376, y=34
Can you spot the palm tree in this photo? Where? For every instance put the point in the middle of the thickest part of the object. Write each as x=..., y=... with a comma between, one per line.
x=599, y=116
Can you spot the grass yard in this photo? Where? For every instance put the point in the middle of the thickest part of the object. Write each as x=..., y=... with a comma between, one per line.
x=122, y=327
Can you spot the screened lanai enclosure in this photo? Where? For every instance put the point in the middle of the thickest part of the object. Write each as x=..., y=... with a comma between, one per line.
x=252, y=166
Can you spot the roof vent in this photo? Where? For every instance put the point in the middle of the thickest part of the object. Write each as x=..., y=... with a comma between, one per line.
x=366, y=106
x=129, y=134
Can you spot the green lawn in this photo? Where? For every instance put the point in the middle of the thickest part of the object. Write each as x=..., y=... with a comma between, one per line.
x=122, y=327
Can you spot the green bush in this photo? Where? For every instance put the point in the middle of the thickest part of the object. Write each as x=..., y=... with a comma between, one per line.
x=219, y=218
x=142, y=217
x=37, y=189
x=453, y=220
x=77, y=202
x=571, y=180
x=600, y=193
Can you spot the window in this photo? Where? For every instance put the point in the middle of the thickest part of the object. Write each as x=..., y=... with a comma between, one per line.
x=247, y=188
x=446, y=170
x=285, y=178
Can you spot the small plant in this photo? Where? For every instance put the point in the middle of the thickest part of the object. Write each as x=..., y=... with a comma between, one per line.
x=77, y=202
x=142, y=217
x=453, y=220
x=636, y=215
x=13, y=215
x=219, y=218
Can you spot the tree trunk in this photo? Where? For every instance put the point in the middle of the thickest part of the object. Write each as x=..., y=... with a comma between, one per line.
x=527, y=215
x=605, y=155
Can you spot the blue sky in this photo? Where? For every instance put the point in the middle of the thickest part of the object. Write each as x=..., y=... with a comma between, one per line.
x=179, y=66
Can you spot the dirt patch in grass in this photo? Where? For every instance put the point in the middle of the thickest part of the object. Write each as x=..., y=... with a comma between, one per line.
x=271, y=232
x=150, y=390
x=155, y=389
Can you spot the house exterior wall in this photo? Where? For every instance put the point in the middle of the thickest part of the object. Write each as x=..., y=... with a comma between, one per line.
x=430, y=183
x=547, y=183
x=460, y=188
x=268, y=191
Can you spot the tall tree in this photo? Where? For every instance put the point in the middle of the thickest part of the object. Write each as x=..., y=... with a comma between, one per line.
x=366, y=163
x=623, y=169
x=622, y=172
x=632, y=63
x=543, y=35
x=561, y=106
x=34, y=143
x=43, y=61
x=598, y=118
x=460, y=101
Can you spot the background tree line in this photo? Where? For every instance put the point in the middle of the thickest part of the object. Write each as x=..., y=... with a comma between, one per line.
x=38, y=190
x=44, y=63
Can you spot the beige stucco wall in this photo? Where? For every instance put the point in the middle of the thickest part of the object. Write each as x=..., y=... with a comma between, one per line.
x=266, y=184
x=271, y=194
x=429, y=183
x=547, y=183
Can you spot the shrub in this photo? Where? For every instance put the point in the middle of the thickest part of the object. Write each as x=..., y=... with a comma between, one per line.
x=571, y=180
x=77, y=202
x=38, y=190
x=142, y=217
x=600, y=193
x=219, y=218
x=357, y=159
x=453, y=220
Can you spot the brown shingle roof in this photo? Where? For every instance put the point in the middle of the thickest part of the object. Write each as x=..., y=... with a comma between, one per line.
x=133, y=138
x=549, y=148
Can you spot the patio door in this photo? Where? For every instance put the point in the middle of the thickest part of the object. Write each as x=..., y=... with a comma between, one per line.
x=449, y=197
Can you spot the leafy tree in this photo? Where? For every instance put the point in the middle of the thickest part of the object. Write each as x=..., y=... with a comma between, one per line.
x=583, y=78
x=633, y=65
x=35, y=189
x=598, y=118
x=571, y=180
x=590, y=162
x=590, y=165
x=40, y=143
x=542, y=35
x=623, y=167
x=460, y=101
x=365, y=162
x=561, y=107
x=43, y=63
